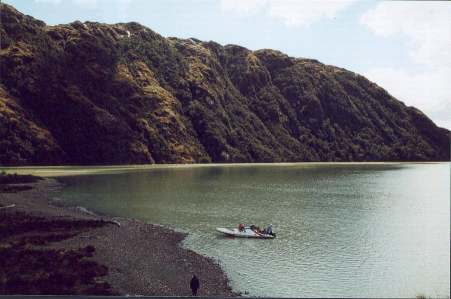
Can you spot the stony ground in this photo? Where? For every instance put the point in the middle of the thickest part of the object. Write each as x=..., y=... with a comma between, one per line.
x=48, y=249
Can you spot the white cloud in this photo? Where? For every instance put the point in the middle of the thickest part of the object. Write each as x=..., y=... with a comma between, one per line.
x=428, y=91
x=304, y=13
x=427, y=25
x=296, y=13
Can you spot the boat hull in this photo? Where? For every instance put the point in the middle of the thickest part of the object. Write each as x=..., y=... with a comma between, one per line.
x=247, y=233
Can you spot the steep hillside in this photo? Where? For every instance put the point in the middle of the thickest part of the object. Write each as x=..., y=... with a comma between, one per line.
x=91, y=93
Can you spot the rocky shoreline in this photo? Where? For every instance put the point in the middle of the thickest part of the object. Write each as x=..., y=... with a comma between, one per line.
x=93, y=255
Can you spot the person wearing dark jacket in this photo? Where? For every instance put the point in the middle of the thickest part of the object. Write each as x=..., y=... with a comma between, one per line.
x=194, y=285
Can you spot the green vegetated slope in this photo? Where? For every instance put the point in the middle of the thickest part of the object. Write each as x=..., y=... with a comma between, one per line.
x=91, y=93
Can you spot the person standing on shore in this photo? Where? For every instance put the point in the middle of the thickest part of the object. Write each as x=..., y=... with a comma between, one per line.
x=194, y=285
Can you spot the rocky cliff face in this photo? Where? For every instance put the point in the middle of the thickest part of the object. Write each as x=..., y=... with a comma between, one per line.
x=90, y=93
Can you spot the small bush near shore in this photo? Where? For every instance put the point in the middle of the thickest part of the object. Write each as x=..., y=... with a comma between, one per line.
x=27, y=267
x=17, y=178
x=7, y=182
x=50, y=272
x=14, y=189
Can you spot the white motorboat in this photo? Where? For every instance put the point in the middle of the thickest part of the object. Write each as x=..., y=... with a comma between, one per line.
x=246, y=232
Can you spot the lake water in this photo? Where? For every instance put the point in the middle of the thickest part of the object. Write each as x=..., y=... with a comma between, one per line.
x=343, y=230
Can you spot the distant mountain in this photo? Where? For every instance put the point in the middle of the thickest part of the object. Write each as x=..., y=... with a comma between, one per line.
x=91, y=93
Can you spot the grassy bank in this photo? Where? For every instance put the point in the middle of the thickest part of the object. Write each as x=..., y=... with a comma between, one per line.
x=29, y=267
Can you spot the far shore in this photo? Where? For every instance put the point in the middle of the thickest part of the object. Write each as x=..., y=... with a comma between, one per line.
x=89, y=254
x=68, y=170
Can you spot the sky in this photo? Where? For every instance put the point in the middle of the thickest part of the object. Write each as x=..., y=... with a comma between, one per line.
x=403, y=46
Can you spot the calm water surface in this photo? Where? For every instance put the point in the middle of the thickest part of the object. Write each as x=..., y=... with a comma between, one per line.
x=343, y=230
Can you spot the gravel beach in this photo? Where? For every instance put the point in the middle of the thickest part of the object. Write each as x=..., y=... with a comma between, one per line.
x=141, y=258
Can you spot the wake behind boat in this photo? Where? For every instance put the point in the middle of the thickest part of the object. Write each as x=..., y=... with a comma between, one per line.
x=248, y=232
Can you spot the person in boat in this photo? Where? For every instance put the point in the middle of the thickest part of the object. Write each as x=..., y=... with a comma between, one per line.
x=255, y=228
x=268, y=230
x=241, y=227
